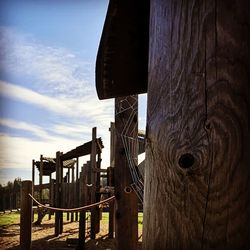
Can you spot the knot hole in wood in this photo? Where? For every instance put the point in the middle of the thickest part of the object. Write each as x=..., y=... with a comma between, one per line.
x=186, y=161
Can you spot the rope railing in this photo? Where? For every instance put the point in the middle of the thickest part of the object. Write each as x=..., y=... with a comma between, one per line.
x=77, y=209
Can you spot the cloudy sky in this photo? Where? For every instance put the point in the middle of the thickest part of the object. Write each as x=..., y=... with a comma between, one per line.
x=48, y=100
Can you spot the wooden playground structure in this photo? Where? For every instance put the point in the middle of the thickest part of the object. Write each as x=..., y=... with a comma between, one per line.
x=88, y=188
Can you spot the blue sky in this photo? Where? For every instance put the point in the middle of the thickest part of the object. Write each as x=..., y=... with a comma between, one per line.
x=48, y=100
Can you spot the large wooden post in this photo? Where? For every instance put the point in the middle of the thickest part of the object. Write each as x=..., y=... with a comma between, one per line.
x=197, y=172
x=26, y=215
x=126, y=227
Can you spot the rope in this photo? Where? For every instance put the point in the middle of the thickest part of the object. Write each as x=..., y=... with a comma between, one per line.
x=77, y=209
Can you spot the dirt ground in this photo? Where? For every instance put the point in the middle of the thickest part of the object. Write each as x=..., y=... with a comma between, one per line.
x=43, y=237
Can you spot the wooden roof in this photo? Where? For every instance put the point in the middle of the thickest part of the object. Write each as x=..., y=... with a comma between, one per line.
x=49, y=165
x=122, y=59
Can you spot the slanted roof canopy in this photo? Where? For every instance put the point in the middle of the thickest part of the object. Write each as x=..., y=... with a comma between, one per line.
x=122, y=59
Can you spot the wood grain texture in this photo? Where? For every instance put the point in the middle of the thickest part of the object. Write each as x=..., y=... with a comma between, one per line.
x=126, y=214
x=198, y=104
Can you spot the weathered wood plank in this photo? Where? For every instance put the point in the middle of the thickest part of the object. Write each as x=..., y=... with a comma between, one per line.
x=126, y=220
x=197, y=184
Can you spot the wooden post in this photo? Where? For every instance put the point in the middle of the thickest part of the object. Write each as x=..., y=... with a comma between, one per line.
x=33, y=183
x=126, y=226
x=97, y=194
x=94, y=212
x=77, y=187
x=41, y=179
x=50, y=194
x=110, y=182
x=33, y=173
x=72, y=191
x=111, y=219
x=58, y=214
x=67, y=195
x=26, y=215
x=83, y=199
x=197, y=170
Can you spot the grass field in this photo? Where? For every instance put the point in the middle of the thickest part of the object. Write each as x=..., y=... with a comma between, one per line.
x=14, y=218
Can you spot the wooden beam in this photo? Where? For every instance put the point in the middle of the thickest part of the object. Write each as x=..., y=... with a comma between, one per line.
x=126, y=217
x=82, y=150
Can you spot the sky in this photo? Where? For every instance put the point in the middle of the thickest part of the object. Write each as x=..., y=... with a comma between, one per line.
x=48, y=101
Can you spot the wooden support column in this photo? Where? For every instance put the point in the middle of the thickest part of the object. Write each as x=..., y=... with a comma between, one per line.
x=83, y=201
x=72, y=192
x=111, y=219
x=94, y=212
x=33, y=183
x=110, y=182
x=97, y=194
x=26, y=215
x=68, y=192
x=197, y=171
x=33, y=173
x=77, y=187
x=41, y=179
x=112, y=144
x=50, y=194
x=126, y=227
x=58, y=195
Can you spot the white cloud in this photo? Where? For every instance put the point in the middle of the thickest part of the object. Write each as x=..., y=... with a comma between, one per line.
x=51, y=70
x=36, y=130
x=85, y=107
x=27, y=149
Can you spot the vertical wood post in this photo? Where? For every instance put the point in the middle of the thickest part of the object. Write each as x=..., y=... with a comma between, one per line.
x=50, y=195
x=67, y=194
x=33, y=184
x=83, y=201
x=73, y=193
x=112, y=144
x=58, y=195
x=77, y=187
x=94, y=212
x=126, y=227
x=33, y=173
x=197, y=170
x=41, y=179
x=26, y=215
x=111, y=219
x=110, y=182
